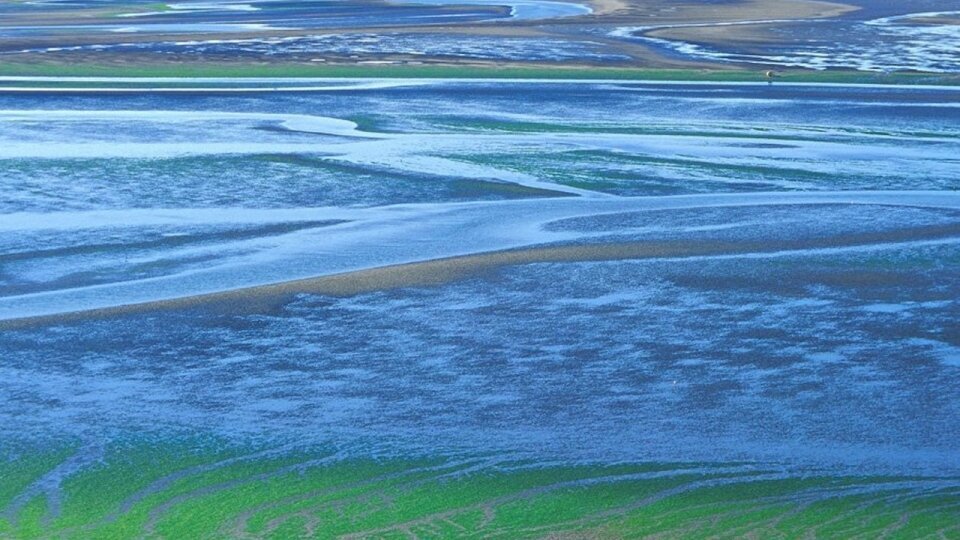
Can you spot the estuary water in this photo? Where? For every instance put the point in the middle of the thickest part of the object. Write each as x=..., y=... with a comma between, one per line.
x=226, y=17
x=880, y=36
x=717, y=273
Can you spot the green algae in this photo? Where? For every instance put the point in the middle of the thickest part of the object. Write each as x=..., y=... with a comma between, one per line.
x=204, y=488
x=244, y=70
x=20, y=466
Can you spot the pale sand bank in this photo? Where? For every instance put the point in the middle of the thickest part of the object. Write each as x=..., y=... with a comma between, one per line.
x=613, y=13
x=658, y=13
x=439, y=271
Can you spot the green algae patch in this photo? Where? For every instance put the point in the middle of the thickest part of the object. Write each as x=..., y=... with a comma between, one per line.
x=189, y=70
x=206, y=488
x=21, y=465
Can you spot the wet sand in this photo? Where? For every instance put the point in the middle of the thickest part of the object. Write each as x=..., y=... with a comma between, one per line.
x=734, y=22
x=661, y=13
x=607, y=14
x=264, y=298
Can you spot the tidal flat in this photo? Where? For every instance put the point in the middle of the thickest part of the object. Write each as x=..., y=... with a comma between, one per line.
x=462, y=309
x=322, y=38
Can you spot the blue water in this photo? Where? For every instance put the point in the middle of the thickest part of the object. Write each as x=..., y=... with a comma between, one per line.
x=879, y=37
x=812, y=323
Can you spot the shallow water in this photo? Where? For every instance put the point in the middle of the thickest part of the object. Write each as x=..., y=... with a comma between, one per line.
x=786, y=313
x=881, y=37
x=259, y=15
x=369, y=45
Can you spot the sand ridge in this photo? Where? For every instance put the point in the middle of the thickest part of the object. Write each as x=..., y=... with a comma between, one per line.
x=265, y=298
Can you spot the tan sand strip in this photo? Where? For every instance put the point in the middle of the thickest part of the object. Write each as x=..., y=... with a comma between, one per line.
x=264, y=298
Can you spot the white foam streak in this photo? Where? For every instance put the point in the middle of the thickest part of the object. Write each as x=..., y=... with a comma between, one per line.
x=379, y=237
x=898, y=43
